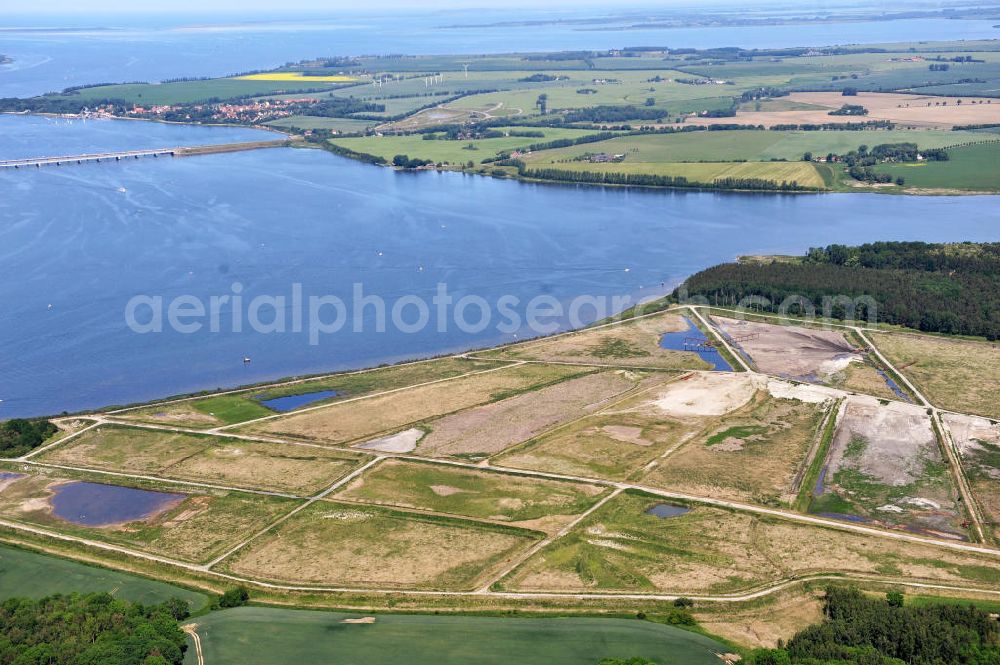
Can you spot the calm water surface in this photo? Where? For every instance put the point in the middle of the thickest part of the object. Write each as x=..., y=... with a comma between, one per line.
x=76, y=243
x=113, y=48
x=96, y=504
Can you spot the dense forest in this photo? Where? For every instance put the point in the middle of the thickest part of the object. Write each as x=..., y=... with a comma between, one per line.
x=90, y=629
x=19, y=436
x=862, y=630
x=951, y=288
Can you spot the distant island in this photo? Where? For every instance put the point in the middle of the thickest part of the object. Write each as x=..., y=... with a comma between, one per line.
x=920, y=118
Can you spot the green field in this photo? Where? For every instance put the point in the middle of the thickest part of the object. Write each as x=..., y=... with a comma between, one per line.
x=257, y=635
x=452, y=152
x=804, y=173
x=973, y=168
x=747, y=145
x=29, y=574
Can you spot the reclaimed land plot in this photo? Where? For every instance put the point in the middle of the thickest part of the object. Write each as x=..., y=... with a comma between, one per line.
x=826, y=357
x=885, y=467
x=28, y=574
x=978, y=443
x=487, y=430
x=208, y=459
x=753, y=453
x=619, y=442
x=266, y=635
x=622, y=547
x=346, y=544
x=630, y=344
x=194, y=528
x=343, y=423
x=953, y=374
x=537, y=503
x=232, y=408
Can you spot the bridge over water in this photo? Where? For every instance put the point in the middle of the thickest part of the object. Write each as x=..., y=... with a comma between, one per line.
x=123, y=155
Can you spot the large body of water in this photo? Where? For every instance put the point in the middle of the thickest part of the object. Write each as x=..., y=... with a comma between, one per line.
x=117, y=48
x=77, y=243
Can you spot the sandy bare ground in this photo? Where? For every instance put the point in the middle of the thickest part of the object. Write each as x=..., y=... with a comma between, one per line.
x=899, y=437
x=977, y=440
x=401, y=442
x=712, y=394
x=495, y=427
x=973, y=434
x=918, y=111
x=796, y=353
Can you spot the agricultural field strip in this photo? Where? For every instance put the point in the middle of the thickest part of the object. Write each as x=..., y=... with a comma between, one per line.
x=222, y=430
x=760, y=592
x=302, y=506
x=537, y=547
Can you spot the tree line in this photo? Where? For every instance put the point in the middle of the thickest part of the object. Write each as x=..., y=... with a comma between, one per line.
x=933, y=288
x=861, y=630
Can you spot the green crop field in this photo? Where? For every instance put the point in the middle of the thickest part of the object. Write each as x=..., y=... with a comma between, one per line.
x=452, y=152
x=804, y=173
x=30, y=574
x=974, y=168
x=750, y=145
x=257, y=635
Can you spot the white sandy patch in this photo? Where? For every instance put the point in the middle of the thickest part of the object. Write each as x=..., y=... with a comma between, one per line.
x=809, y=393
x=360, y=620
x=890, y=508
x=401, y=442
x=706, y=394
x=923, y=503
x=348, y=516
x=445, y=490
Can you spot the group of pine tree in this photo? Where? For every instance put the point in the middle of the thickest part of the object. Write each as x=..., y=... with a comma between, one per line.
x=943, y=288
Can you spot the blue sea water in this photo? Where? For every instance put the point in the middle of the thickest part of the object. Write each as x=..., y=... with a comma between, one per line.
x=78, y=243
x=51, y=52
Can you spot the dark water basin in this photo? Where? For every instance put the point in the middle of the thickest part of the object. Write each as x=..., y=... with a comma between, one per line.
x=10, y=475
x=95, y=504
x=666, y=510
x=292, y=402
x=682, y=341
x=844, y=517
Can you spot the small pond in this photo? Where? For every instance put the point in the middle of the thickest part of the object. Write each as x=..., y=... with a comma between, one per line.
x=693, y=340
x=292, y=402
x=10, y=475
x=666, y=510
x=96, y=504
